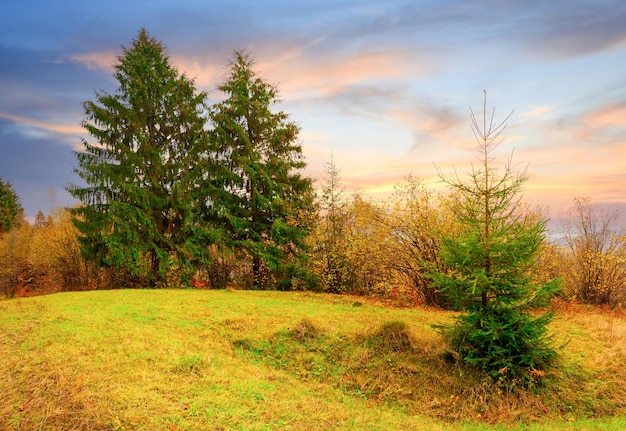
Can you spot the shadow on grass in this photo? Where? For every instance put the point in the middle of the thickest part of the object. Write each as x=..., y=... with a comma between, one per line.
x=392, y=365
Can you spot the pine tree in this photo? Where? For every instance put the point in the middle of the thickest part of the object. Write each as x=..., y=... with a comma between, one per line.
x=265, y=197
x=10, y=207
x=490, y=265
x=147, y=171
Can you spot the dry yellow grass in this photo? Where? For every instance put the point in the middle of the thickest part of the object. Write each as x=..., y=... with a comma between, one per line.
x=196, y=360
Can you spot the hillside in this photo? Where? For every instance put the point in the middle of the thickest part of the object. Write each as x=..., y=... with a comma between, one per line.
x=243, y=360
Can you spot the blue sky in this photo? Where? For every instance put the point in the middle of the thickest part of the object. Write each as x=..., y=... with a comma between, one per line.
x=386, y=87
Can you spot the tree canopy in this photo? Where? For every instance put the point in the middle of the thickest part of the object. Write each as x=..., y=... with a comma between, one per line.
x=10, y=206
x=168, y=175
x=148, y=172
x=490, y=263
x=263, y=197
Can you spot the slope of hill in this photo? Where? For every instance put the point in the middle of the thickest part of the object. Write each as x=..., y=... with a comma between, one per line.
x=240, y=360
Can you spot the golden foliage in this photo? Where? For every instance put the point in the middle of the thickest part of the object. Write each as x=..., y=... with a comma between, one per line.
x=595, y=260
x=42, y=258
x=14, y=258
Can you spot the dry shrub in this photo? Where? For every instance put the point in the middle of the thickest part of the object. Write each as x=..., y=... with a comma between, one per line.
x=305, y=329
x=56, y=249
x=15, y=268
x=595, y=270
x=42, y=258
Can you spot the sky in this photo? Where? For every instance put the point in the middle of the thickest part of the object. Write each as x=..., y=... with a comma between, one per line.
x=385, y=87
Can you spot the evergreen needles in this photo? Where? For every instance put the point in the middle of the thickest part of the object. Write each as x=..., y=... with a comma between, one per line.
x=489, y=276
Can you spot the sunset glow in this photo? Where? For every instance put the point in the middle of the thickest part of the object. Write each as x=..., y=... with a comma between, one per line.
x=386, y=87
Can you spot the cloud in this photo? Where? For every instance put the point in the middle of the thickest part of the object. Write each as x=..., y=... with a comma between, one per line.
x=383, y=85
x=370, y=101
x=299, y=68
x=607, y=116
x=41, y=125
x=103, y=60
x=436, y=121
x=535, y=112
x=206, y=72
x=599, y=127
x=546, y=30
x=571, y=30
x=324, y=76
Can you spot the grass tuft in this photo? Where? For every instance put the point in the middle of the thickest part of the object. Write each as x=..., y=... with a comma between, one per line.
x=305, y=329
x=194, y=364
x=394, y=336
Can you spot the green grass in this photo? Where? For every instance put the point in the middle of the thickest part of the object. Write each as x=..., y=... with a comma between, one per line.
x=240, y=360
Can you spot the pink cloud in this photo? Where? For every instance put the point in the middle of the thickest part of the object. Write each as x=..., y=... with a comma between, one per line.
x=311, y=76
x=608, y=116
x=557, y=173
x=536, y=112
x=431, y=120
x=103, y=60
x=64, y=129
x=296, y=70
x=205, y=71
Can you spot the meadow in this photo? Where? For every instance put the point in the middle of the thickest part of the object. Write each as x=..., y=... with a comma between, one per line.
x=171, y=359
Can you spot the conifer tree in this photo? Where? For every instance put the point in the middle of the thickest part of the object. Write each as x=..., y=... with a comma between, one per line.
x=490, y=263
x=10, y=206
x=147, y=170
x=264, y=197
x=331, y=244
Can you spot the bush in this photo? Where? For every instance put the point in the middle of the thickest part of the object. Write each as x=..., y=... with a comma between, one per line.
x=416, y=220
x=45, y=258
x=15, y=267
x=596, y=261
x=56, y=249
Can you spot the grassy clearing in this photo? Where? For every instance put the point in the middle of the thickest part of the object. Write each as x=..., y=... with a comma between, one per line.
x=231, y=360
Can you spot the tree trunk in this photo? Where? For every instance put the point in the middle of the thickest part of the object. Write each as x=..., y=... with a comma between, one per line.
x=256, y=272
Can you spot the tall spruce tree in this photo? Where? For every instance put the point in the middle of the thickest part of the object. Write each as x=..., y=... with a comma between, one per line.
x=10, y=206
x=264, y=196
x=147, y=170
x=490, y=269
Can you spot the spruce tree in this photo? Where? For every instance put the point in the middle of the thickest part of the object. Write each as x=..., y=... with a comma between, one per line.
x=331, y=245
x=264, y=197
x=10, y=207
x=147, y=169
x=490, y=269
